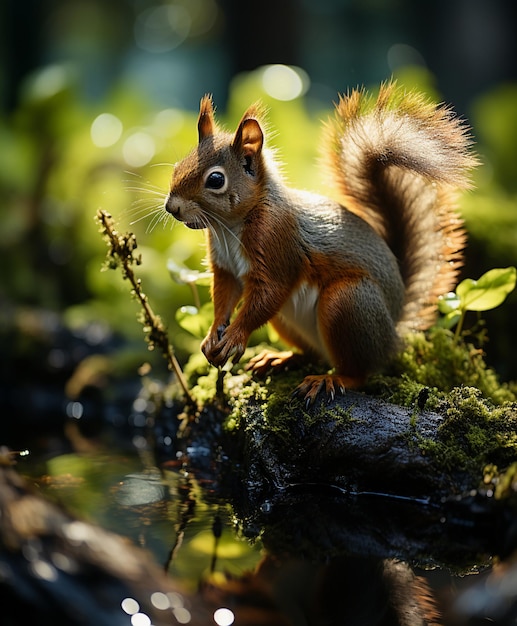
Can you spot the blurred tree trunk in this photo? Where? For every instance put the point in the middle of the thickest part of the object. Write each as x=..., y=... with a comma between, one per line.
x=21, y=50
x=267, y=33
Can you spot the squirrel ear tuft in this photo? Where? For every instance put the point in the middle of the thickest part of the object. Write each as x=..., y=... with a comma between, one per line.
x=248, y=138
x=206, y=123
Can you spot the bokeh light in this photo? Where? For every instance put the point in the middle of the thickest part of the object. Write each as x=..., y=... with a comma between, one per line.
x=139, y=148
x=284, y=82
x=140, y=619
x=160, y=600
x=224, y=617
x=130, y=606
x=106, y=130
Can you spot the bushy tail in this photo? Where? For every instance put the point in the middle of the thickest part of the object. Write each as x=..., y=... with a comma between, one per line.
x=398, y=162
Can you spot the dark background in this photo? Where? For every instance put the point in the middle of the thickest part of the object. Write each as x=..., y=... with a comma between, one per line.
x=469, y=45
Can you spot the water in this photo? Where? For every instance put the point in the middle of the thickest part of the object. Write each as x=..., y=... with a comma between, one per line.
x=225, y=548
x=156, y=509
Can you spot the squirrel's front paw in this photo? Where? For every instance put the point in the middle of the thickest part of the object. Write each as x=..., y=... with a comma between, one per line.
x=207, y=346
x=210, y=342
x=230, y=345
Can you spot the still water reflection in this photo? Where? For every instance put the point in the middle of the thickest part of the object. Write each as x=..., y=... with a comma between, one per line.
x=291, y=572
x=160, y=510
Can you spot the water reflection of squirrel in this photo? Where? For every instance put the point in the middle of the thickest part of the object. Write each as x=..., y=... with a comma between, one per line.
x=338, y=283
x=345, y=590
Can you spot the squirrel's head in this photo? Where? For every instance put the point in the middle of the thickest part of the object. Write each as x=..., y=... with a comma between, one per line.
x=221, y=179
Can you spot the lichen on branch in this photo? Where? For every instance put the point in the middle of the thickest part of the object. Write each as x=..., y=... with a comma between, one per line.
x=121, y=254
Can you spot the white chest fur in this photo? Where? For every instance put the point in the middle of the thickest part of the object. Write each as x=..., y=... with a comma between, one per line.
x=300, y=309
x=301, y=313
x=228, y=251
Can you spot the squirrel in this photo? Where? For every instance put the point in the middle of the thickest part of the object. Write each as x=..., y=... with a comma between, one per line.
x=341, y=278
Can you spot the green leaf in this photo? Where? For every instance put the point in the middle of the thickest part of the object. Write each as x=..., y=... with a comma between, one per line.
x=487, y=292
x=449, y=320
x=186, y=276
x=195, y=321
x=449, y=303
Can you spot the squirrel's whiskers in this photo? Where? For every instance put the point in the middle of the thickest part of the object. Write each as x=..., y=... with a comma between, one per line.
x=150, y=206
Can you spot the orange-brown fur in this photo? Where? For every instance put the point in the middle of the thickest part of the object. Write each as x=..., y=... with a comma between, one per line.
x=340, y=278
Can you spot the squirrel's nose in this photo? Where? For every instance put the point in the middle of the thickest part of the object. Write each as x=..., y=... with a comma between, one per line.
x=172, y=205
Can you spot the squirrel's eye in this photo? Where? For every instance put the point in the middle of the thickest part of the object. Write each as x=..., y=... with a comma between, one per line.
x=215, y=180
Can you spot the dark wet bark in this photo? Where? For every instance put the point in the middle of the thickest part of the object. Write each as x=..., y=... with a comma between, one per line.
x=359, y=479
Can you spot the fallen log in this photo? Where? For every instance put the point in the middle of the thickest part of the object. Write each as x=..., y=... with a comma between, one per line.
x=364, y=476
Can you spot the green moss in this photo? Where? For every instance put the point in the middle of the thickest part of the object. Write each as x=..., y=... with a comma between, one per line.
x=280, y=413
x=476, y=432
x=244, y=391
x=505, y=482
x=201, y=378
x=452, y=378
x=433, y=373
x=196, y=367
x=404, y=391
x=435, y=360
x=278, y=405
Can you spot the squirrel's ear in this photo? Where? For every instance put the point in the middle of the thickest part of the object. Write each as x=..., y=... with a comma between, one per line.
x=249, y=138
x=206, y=123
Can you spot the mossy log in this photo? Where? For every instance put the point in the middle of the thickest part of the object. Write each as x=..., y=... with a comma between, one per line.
x=357, y=443
x=366, y=476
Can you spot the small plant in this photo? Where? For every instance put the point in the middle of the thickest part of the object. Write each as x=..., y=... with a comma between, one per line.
x=195, y=319
x=484, y=294
x=121, y=248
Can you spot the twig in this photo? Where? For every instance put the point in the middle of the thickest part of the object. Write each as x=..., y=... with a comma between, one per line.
x=187, y=512
x=120, y=253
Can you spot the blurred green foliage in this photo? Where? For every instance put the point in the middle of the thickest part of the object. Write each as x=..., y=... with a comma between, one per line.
x=59, y=165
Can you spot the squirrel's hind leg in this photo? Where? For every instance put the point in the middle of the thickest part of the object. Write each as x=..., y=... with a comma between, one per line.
x=268, y=360
x=329, y=384
x=357, y=327
x=359, y=335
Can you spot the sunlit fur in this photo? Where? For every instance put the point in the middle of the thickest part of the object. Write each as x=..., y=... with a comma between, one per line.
x=397, y=161
x=339, y=277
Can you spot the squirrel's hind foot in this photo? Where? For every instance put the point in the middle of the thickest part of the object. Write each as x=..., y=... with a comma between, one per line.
x=329, y=384
x=268, y=360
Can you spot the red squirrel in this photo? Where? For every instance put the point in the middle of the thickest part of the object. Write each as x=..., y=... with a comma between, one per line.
x=342, y=277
